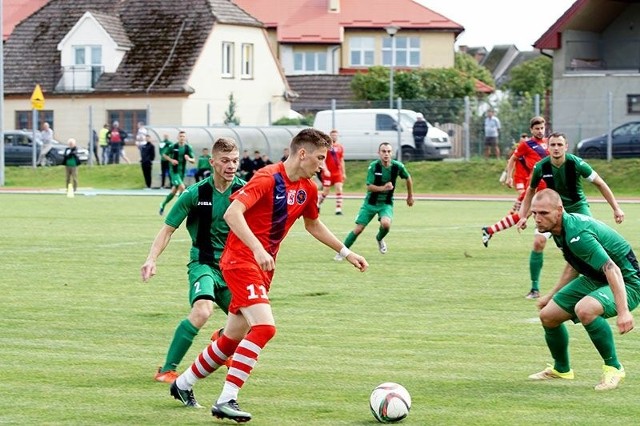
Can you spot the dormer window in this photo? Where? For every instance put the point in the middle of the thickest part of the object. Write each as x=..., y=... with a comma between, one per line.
x=95, y=45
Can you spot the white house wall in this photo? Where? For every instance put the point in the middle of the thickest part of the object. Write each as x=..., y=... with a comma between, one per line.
x=89, y=33
x=255, y=98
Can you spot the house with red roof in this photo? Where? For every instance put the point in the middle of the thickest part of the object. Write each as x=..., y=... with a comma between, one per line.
x=596, y=67
x=159, y=62
x=317, y=39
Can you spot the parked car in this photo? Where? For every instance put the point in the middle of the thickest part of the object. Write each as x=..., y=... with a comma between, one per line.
x=625, y=142
x=18, y=149
x=362, y=131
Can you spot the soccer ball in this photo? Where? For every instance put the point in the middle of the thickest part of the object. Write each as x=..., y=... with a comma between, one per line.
x=390, y=402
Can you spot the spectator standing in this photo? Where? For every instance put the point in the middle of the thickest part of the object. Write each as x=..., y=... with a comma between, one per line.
x=420, y=129
x=334, y=172
x=178, y=155
x=71, y=162
x=258, y=162
x=147, y=156
x=116, y=137
x=93, y=146
x=285, y=154
x=381, y=184
x=104, y=144
x=141, y=134
x=246, y=166
x=46, y=135
x=165, y=144
x=491, y=134
x=248, y=263
x=203, y=168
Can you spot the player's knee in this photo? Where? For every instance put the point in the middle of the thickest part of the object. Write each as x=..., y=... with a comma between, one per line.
x=539, y=243
x=200, y=313
x=263, y=333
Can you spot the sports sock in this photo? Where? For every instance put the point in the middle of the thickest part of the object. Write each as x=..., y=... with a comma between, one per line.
x=321, y=198
x=535, y=267
x=209, y=360
x=382, y=232
x=602, y=337
x=351, y=238
x=504, y=223
x=338, y=201
x=244, y=360
x=167, y=200
x=182, y=340
x=558, y=342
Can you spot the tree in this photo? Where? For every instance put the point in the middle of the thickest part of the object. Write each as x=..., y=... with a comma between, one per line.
x=534, y=77
x=372, y=85
x=230, y=113
x=466, y=64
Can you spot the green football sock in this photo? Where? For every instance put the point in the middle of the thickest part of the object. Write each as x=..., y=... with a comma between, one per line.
x=602, y=338
x=558, y=342
x=535, y=267
x=166, y=200
x=182, y=340
x=382, y=232
x=351, y=238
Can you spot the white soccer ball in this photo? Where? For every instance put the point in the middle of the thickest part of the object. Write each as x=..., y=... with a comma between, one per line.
x=390, y=402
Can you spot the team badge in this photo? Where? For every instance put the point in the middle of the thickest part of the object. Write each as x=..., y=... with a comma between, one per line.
x=291, y=197
x=301, y=196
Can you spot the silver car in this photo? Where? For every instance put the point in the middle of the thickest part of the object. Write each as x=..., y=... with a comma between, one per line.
x=18, y=149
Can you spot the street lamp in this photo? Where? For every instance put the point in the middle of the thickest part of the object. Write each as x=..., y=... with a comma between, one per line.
x=392, y=30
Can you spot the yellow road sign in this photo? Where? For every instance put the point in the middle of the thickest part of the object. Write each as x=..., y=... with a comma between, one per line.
x=37, y=98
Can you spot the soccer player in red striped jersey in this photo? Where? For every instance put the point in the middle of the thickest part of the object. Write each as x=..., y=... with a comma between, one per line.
x=260, y=215
x=334, y=172
x=519, y=168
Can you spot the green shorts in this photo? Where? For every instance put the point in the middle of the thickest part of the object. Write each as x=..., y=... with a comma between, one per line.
x=176, y=179
x=206, y=282
x=367, y=213
x=572, y=293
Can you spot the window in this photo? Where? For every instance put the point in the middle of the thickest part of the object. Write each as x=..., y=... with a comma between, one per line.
x=247, y=61
x=385, y=122
x=227, y=59
x=407, y=51
x=633, y=104
x=24, y=119
x=310, y=62
x=361, y=51
x=128, y=119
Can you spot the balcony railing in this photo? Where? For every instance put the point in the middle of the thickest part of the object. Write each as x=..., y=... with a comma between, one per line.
x=611, y=55
x=79, y=78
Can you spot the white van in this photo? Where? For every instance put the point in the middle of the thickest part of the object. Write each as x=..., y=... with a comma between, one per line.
x=361, y=131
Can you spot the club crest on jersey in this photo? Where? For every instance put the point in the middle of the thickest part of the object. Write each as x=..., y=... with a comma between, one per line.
x=301, y=196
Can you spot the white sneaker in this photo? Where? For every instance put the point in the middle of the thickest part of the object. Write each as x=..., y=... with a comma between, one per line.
x=382, y=246
x=338, y=257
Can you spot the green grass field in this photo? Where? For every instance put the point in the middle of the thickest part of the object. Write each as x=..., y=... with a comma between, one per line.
x=82, y=335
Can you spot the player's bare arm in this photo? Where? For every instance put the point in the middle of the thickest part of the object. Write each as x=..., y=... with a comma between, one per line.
x=409, y=191
x=525, y=208
x=320, y=232
x=161, y=242
x=618, y=214
x=624, y=319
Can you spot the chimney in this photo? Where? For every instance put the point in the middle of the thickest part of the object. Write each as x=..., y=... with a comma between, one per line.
x=334, y=6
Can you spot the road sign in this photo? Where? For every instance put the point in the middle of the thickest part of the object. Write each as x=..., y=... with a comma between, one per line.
x=37, y=98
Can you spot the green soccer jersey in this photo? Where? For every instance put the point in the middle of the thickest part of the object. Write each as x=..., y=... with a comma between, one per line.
x=565, y=180
x=377, y=174
x=177, y=152
x=187, y=206
x=587, y=244
x=203, y=162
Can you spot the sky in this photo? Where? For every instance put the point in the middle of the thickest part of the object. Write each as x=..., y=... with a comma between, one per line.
x=494, y=22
